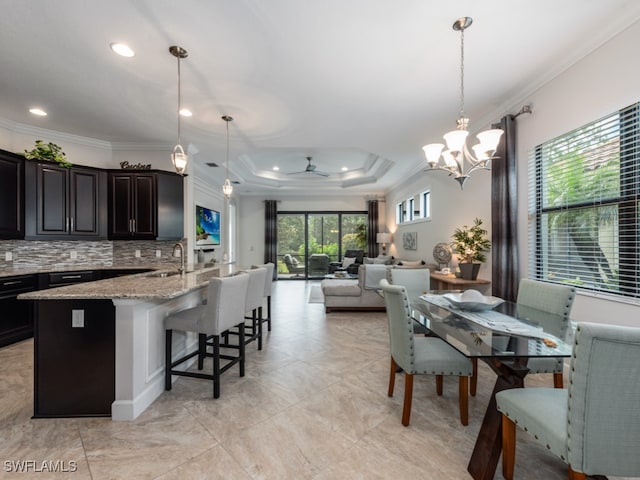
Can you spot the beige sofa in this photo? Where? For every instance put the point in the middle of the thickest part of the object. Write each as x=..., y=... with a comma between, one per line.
x=360, y=294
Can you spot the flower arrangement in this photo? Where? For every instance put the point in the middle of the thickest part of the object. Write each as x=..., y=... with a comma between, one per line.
x=48, y=151
x=471, y=243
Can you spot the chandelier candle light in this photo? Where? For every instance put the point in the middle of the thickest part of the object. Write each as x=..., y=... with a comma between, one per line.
x=179, y=158
x=227, y=188
x=457, y=160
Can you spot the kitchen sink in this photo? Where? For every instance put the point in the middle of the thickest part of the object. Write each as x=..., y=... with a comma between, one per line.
x=170, y=273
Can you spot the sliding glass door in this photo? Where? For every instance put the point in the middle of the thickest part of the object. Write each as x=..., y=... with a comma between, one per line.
x=308, y=242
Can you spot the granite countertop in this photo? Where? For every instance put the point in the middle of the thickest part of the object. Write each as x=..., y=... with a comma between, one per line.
x=13, y=272
x=149, y=285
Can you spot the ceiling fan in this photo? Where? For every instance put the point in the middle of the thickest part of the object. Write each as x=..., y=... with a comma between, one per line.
x=310, y=170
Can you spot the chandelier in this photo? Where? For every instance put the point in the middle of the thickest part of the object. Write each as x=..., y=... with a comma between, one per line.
x=457, y=160
x=227, y=188
x=179, y=158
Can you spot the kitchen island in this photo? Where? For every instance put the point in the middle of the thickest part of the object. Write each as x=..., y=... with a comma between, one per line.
x=99, y=346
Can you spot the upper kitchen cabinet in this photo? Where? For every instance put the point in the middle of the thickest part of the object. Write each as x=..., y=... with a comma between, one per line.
x=145, y=205
x=11, y=195
x=65, y=203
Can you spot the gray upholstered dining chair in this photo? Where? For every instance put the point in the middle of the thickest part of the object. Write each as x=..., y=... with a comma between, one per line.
x=549, y=298
x=417, y=281
x=594, y=424
x=419, y=355
x=224, y=309
x=268, y=281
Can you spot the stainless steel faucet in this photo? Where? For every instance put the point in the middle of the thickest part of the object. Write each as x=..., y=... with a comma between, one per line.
x=181, y=247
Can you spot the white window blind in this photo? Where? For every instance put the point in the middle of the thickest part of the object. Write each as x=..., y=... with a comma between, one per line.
x=584, y=203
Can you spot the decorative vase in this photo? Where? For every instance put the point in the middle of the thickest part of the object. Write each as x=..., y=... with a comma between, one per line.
x=469, y=271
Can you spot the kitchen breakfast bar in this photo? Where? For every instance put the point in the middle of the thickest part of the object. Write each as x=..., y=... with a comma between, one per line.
x=99, y=346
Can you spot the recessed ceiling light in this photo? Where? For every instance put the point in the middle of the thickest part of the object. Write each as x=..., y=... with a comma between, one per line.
x=344, y=169
x=122, y=49
x=276, y=168
x=38, y=111
x=185, y=112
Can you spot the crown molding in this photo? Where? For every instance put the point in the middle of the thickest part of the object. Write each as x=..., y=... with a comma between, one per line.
x=61, y=137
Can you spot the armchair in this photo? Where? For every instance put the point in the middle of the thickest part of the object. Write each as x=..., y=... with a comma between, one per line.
x=292, y=264
x=318, y=264
x=353, y=268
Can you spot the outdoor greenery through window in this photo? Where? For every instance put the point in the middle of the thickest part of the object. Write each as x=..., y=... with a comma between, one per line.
x=303, y=234
x=584, y=204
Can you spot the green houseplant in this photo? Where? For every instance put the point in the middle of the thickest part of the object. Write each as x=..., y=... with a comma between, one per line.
x=49, y=152
x=471, y=244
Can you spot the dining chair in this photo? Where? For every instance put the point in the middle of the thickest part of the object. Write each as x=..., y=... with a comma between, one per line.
x=418, y=281
x=594, y=424
x=268, y=281
x=553, y=299
x=420, y=355
x=224, y=309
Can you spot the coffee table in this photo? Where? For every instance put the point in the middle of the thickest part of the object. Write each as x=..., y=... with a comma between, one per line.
x=346, y=276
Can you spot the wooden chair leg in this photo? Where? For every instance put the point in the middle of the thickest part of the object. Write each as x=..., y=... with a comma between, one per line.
x=392, y=377
x=474, y=377
x=439, y=379
x=508, y=447
x=558, y=381
x=573, y=475
x=463, y=392
x=408, y=396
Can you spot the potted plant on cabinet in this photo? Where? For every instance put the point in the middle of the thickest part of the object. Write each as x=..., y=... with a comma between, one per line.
x=49, y=152
x=471, y=244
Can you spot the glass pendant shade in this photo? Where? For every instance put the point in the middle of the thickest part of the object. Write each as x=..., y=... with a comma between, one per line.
x=489, y=139
x=432, y=152
x=179, y=159
x=455, y=140
x=227, y=188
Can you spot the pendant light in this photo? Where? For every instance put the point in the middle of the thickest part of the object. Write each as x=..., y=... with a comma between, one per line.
x=457, y=160
x=179, y=158
x=227, y=188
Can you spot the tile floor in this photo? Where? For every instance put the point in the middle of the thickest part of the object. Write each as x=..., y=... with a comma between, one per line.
x=312, y=405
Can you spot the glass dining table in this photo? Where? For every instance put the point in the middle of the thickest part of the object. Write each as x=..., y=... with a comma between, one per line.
x=504, y=337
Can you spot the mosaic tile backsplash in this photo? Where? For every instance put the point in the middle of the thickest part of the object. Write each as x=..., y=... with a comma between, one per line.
x=60, y=253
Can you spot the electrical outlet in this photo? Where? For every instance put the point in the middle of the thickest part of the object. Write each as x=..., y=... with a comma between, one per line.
x=73, y=255
x=8, y=256
x=138, y=254
x=159, y=253
x=77, y=318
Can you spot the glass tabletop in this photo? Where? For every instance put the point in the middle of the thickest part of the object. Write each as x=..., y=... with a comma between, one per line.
x=506, y=331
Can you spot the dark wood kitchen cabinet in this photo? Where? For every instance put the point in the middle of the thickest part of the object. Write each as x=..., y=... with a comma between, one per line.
x=145, y=206
x=11, y=195
x=65, y=203
x=16, y=321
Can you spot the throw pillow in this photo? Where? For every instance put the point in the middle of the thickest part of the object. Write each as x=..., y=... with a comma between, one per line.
x=383, y=259
x=368, y=260
x=411, y=263
x=347, y=261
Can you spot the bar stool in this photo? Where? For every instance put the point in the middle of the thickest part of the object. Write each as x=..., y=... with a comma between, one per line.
x=253, y=301
x=267, y=292
x=226, y=298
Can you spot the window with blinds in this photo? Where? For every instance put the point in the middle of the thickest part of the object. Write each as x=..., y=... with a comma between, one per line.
x=584, y=203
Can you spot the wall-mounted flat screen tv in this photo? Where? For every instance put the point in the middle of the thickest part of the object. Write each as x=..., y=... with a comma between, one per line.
x=207, y=226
